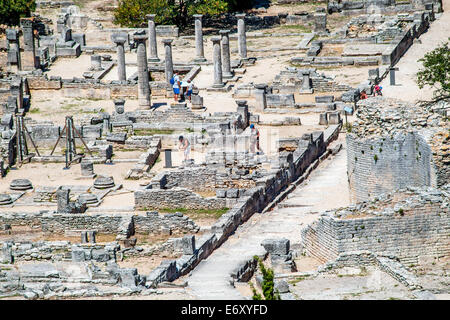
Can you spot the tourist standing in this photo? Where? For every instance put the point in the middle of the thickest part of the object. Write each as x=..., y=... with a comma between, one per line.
x=185, y=146
x=176, y=87
x=190, y=87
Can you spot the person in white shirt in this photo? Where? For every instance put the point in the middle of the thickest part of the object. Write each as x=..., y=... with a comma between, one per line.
x=176, y=87
x=190, y=87
x=184, y=146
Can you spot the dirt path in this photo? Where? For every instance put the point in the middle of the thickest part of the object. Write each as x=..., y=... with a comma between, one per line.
x=406, y=88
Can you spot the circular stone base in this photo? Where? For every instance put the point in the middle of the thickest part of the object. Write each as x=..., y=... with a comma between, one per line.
x=5, y=199
x=104, y=182
x=89, y=198
x=20, y=184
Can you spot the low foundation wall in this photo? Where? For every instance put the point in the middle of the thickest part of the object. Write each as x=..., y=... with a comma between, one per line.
x=105, y=223
x=154, y=199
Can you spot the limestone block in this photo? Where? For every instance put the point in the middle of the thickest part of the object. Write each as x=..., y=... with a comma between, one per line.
x=276, y=246
x=188, y=244
x=281, y=286
x=78, y=254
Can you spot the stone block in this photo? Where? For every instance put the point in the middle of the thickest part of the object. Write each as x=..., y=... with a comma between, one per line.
x=100, y=255
x=323, y=119
x=129, y=277
x=281, y=286
x=6, y=121
x=221, y=193
x=276, y=246
x=324, y=99
x=188, y=244
x=78, y=254
x=232, y=193
x=334, y=118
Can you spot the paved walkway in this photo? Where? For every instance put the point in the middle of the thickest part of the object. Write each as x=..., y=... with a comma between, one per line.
x=406, y=88
x=326, y=188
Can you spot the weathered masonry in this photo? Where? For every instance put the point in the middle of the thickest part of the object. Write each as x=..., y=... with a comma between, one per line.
x=410, y=225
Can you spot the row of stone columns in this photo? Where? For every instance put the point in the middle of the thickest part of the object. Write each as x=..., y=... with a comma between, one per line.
x=221, y=54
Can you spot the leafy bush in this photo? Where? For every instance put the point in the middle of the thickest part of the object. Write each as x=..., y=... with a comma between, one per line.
x=131, y=13
x=267, y=285
x=436, y=73
x=12, y=10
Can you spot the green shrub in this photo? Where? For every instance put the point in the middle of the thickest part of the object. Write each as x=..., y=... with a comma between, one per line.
x=12, y=10
x=131, y=13
x=268, y=283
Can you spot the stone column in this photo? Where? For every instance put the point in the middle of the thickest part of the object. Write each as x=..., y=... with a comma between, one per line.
x=119, y=40
x=226, y=60
x=143, y=76
x=242, y=41
x=260, y=97
x=168, y=59
x=152, y=47
x=199, y=39
x=12, y=37
x=29, y=54
x=217, y=61
x=306, y=83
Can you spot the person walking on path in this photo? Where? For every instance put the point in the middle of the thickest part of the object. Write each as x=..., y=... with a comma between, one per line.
x=185, y=146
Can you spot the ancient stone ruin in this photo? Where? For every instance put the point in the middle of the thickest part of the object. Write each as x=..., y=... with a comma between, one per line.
x=110, y=186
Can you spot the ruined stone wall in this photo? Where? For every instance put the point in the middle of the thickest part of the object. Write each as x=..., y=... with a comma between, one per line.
x=174, y=114
x=106, y=223
x=418, y=234
x=380, y=6
x=154, y=223
x=196, y=179
x=60, y=250
x=74, y=88
x=154, y=199
x=381, y=164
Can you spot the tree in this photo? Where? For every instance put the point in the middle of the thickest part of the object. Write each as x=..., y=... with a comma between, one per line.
x=12, y=10
x=436, y=73
x=131, y=13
